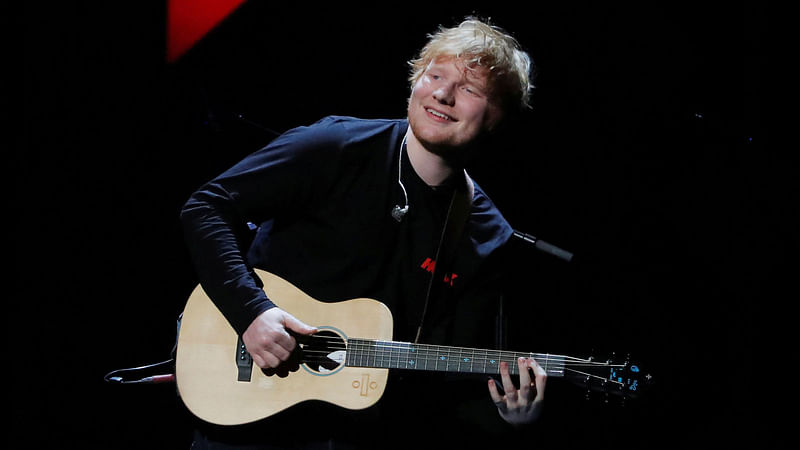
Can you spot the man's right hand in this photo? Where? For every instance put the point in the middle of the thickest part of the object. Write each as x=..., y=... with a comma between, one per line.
x=267, y=339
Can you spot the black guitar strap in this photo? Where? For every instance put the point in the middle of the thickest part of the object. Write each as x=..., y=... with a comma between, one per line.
x=456, y=220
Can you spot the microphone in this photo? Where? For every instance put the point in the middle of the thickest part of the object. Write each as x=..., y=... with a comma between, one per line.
x=398, y=212
x=544, y=246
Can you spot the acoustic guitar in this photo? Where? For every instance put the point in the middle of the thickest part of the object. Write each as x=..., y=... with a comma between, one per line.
x=346, y=363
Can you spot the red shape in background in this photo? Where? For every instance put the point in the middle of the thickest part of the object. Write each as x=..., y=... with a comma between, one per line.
x=189, y=20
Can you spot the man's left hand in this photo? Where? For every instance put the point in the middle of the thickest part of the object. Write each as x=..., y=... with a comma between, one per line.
x=524, y=405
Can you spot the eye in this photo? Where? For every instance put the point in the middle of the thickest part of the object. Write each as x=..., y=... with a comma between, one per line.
x=471, y=90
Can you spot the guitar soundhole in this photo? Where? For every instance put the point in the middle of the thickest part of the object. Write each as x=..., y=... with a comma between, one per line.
x=324, y=352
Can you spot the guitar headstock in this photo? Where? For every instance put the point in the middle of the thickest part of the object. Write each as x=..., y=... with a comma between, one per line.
x=622, y=378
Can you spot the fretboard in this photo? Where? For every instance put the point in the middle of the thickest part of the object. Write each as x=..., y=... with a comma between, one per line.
x=403, y=355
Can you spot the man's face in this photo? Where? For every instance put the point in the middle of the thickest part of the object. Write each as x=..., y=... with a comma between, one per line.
x=450, y=106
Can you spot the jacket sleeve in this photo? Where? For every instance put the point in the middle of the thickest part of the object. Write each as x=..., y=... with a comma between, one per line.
x=276, y=180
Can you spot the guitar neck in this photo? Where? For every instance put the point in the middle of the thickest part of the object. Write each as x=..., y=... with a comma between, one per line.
x=437, y=358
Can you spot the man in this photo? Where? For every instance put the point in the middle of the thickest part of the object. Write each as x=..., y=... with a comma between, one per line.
x=369, y=208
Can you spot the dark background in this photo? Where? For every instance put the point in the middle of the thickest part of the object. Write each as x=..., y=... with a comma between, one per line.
x=645, y=154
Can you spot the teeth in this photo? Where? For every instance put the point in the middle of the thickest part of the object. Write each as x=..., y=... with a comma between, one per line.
x=438, y=114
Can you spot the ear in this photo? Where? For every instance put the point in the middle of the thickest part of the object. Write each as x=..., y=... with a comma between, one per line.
x=495, y=118
x=411, y=92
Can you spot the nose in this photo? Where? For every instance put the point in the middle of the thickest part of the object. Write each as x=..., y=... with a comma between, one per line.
x=444, y=94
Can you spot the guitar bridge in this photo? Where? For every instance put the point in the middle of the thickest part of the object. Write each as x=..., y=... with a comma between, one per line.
x=244, y=362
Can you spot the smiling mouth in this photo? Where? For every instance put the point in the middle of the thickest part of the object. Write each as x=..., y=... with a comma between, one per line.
x=439, y=115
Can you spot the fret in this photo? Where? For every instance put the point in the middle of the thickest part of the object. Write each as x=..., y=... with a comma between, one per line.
x=491, y=362
x=380, y=358
x=407, y=356
x=444, y=361
x=466, y=357
x=351, y=354
x=360, y=347
x=445, y=357
x=513, y=367
x=367, y=351
x=398, y=355
x=358, y=355
x=403, y=356
x=391, y=354
x=350, y=359
x=387, y=355
x=488, y=362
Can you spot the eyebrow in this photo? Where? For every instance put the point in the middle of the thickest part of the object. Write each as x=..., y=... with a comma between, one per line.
x=469, y=74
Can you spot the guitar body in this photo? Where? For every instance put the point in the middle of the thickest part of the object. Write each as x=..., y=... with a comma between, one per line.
x=208, y=377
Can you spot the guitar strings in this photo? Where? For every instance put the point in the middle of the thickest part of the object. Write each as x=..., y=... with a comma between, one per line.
x=389, y=359
x=591, y=375
x=392, y=354
x=389, y=346
x=393, y=348
x=475, y=365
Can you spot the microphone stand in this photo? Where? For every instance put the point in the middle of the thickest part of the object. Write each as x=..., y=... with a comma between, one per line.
x=544, y=246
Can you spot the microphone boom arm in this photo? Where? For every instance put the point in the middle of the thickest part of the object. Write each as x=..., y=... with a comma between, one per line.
x=544, y=246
